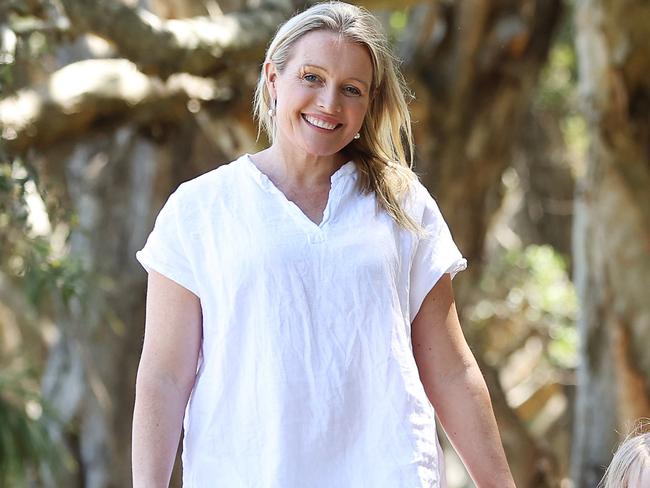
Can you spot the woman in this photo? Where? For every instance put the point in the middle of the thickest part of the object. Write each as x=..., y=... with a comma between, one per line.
x=301, y=297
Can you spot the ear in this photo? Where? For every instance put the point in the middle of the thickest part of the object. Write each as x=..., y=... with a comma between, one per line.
x=270, y=75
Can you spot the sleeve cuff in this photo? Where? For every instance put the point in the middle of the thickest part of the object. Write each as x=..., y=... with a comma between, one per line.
x=169, y=272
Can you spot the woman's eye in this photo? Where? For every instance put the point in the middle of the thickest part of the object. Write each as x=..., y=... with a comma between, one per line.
x=311, y=78
x=353, y=90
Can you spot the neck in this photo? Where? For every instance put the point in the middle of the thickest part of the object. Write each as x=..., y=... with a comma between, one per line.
x=295, y=168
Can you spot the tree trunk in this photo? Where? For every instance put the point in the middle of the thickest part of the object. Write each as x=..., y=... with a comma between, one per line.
x=612, y=225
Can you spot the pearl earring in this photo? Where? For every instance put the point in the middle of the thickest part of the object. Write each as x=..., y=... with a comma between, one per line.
x=357, y=136
x=272, y=111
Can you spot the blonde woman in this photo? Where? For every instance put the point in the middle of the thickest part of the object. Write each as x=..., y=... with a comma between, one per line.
x=630, y=466
x=300, y=321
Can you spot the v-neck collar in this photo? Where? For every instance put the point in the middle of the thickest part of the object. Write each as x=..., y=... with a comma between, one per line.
x=265, y=182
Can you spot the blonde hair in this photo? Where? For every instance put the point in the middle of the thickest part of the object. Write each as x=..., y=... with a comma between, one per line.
x=384, y=153
x=632, y=456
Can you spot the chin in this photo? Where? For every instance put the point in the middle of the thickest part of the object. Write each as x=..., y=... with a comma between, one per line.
x=322, y=150
x=325, y=148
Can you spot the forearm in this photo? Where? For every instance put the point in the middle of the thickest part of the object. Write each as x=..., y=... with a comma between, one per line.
x=465, y=411
x=157, y=424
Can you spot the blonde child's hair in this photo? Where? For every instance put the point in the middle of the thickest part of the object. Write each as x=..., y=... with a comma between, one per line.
x=384, y=153
x=632, y=456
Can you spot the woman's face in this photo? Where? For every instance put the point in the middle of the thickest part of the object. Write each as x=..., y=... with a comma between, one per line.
x=322, y=94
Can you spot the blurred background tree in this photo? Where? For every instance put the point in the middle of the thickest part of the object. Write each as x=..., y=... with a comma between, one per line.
x=107, y=105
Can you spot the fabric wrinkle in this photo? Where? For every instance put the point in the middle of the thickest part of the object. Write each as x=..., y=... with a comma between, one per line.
x=308, y=376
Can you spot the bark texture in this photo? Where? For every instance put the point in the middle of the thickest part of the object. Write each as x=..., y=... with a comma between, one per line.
x=612, y=229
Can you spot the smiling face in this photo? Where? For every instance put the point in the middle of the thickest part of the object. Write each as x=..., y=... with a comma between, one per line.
x=322, y=94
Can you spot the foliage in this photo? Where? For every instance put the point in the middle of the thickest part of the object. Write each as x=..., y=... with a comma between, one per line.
x=28, y=265
x=25, y=38
x=397, y=22
x=557, y=93
x=557, y=85
x=24, y=439
x=26, y=256
x=528, y=292
x=32, y=266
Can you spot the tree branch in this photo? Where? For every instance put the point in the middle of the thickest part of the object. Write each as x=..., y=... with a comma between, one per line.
x=199, y=46
x=73, y=100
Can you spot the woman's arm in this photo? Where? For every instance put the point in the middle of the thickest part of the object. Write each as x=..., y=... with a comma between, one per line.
x=456, y=388
x=173, y=330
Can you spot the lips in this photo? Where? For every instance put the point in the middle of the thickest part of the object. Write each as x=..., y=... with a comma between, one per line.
x=320, y=124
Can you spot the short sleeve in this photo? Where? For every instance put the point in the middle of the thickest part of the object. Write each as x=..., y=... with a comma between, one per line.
x=435, y=254
x=165, y=250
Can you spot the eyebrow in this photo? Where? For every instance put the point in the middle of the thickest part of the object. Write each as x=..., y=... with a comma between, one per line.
x=364, y=83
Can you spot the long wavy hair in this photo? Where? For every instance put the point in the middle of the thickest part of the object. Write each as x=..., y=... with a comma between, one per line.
x=384, y=153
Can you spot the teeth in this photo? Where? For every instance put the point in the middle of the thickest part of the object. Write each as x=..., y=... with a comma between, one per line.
x=320, y=123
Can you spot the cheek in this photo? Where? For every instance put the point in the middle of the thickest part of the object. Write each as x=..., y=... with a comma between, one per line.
x=291, y=106
x=293, y=94
x=357, y=111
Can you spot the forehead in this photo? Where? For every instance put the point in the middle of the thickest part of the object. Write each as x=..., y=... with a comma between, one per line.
x=333, y=52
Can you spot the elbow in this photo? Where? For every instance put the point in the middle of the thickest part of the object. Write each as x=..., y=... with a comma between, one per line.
x=465, y=378
x=150, y=380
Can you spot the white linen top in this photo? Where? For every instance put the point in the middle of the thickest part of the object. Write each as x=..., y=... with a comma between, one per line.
x=306, y=377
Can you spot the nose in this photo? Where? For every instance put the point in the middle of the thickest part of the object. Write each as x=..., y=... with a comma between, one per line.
x=329, y=100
